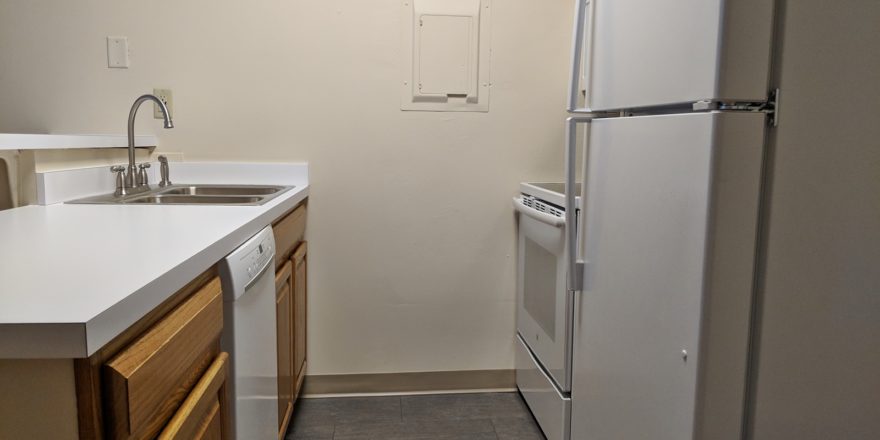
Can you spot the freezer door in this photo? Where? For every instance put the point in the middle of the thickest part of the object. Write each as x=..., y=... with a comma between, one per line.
x=661, y=328
x=639, y=53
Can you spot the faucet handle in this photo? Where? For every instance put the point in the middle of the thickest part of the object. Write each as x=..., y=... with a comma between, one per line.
x=142, y=178
x=120, y=179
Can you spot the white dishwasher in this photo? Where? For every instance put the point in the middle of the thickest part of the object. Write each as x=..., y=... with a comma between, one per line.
x=248, y=279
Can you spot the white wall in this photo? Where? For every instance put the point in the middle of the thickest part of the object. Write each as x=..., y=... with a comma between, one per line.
x=818, y=366
x=411, y=231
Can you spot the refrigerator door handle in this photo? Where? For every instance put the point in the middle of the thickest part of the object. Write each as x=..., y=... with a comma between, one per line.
x=582, y=37
x=575, y=261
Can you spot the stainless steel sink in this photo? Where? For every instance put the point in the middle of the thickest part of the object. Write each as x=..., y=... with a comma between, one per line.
x=220, y=190
x=186, y=194
x=197, y=200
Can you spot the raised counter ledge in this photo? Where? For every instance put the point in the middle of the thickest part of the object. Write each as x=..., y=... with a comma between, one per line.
x=19, y=141
x=72, y=277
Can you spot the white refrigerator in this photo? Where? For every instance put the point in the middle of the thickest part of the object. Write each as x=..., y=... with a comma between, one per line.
x=672, y=100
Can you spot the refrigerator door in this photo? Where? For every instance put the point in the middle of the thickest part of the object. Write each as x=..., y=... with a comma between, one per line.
x=661, y=327
x=640, y=53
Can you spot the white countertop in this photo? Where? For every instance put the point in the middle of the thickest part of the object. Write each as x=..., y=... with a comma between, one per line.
x=75, y=276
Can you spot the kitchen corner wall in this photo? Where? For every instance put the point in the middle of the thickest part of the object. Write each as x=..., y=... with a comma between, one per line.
x=411, y=233
x=817, y=351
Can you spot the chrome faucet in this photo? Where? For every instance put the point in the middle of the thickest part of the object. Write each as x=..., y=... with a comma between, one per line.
x=133, y=181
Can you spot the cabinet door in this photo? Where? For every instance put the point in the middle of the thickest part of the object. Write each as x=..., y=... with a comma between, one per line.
x=284, y=320
x=299, y=310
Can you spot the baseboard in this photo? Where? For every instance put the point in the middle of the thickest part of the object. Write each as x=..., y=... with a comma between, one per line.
x=429, y=382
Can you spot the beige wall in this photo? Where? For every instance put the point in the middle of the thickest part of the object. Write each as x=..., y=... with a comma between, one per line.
x=37, y=399
x=411, y=231
x=818, y=366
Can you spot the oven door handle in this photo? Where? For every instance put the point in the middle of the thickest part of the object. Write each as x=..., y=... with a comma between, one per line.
x=551, y=220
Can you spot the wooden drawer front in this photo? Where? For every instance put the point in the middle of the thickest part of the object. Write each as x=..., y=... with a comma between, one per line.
x=288, y=232
x=146, y=381
x=201, y=416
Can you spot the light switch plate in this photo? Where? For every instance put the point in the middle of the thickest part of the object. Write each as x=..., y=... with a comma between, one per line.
x=117, y=52
x=165, y=96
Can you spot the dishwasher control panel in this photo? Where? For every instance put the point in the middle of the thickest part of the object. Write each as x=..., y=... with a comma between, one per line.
x=248, y=262
x=259, y=257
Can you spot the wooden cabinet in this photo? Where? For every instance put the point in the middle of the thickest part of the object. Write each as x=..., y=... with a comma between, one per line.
x=290, y=301
x=163, y=377
x=284, y=322
x=147, y=380
x=299, y=314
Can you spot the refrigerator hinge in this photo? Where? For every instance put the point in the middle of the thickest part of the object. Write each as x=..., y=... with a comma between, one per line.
x=770, y=107
x=706, y=105
x=578, y=279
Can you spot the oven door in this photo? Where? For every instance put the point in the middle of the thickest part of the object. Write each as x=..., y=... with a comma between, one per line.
x=544, y=311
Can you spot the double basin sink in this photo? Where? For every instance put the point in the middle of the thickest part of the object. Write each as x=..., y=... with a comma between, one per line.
x=194, y=195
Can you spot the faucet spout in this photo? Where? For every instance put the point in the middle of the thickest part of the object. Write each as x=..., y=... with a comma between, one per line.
x=168, y=123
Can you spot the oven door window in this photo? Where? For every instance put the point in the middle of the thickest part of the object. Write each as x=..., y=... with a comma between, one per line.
x=539, y=286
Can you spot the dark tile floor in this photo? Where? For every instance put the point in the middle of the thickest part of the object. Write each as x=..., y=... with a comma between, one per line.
x=485, y=416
